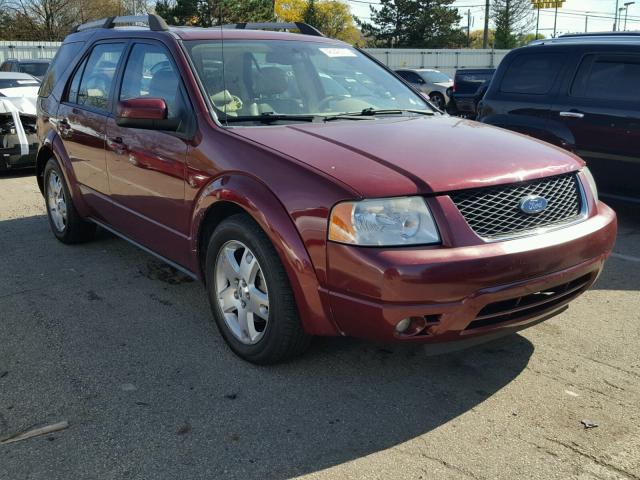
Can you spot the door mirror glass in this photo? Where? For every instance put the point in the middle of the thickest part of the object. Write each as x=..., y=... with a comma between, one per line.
x=145, y=112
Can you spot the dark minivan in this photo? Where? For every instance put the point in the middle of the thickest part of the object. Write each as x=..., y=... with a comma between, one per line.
x=580, y=92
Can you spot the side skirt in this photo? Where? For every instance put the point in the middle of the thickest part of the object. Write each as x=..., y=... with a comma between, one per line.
x=142, y=247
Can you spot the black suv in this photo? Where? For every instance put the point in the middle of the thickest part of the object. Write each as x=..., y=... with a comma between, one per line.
x=580, y=92
x=469, y=85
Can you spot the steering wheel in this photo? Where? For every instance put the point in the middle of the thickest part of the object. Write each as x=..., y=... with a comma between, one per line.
x=324, y=103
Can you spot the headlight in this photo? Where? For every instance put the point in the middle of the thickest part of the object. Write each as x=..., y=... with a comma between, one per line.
x=383, y=222
x=591, y=181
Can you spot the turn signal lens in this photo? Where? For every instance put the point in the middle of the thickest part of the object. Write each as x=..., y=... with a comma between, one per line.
x=383, y=222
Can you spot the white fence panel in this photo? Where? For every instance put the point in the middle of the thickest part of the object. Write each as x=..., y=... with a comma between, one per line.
x=448, y=61
x=27, y=50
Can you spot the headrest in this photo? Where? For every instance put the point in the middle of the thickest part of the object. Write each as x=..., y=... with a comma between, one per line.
x=270, y=81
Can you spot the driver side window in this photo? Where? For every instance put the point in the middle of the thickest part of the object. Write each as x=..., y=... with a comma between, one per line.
x=91, y=84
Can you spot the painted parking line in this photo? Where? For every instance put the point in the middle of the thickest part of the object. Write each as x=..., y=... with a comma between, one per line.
x=629, y=258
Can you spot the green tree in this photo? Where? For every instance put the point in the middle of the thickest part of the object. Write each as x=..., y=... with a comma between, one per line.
x=415, y=24
x=512, y=18
x=310, y=14
x=206, y=13
x=332, y=17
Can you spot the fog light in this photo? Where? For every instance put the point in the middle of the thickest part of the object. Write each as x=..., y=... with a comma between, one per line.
x=403, y=325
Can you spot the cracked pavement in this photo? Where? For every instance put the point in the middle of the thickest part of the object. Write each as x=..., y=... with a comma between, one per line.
x=121, y=346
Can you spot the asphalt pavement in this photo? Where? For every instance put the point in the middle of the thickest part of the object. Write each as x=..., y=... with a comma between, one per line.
x=123, y=348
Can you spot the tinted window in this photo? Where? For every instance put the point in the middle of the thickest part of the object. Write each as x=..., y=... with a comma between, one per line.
x=37, y=69
x=98, y=75
x=532, y=74
x=59, y=64
x=608, y=77
x=74, y=87
x=409, y=76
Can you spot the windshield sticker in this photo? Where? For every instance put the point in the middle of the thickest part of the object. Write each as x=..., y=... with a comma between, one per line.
x=338, y=52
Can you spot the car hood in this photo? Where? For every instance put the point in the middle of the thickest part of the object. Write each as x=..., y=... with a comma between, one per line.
x=31, y=92
x=444, y=84
x=403, y=156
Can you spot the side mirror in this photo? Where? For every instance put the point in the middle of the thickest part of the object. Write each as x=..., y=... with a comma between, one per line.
x=145, y=112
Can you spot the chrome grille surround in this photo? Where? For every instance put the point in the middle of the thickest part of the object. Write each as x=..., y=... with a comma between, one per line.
x=494, y=212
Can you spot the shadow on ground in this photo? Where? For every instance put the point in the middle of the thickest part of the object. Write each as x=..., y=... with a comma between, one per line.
x=91, y=334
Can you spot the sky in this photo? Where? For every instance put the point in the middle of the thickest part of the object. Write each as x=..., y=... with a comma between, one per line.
x=571, y=17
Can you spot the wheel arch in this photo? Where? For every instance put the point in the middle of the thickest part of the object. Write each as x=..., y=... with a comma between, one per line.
x=52, y=147
x=239, y=193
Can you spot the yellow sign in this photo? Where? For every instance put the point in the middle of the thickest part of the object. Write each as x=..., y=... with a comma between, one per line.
x=547, y=3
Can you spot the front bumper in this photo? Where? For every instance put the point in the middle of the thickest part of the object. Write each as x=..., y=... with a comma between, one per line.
x=466, y=291
x=13, y=159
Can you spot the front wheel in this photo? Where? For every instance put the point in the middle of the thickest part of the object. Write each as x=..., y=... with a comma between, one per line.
x=438, y=100
x=250, y=296
x=66, y=224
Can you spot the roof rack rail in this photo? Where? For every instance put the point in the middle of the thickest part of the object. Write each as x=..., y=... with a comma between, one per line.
x=304, y=28
x=155, y=22
x=601, y=34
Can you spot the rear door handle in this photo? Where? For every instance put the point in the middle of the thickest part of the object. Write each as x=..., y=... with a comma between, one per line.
x=572, y=114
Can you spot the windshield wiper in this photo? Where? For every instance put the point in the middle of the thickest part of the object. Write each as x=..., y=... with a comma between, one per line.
x=370, y=112
x=270, y=117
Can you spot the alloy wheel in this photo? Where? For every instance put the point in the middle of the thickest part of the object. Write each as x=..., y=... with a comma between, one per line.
x=56, y=201
x=241, y=291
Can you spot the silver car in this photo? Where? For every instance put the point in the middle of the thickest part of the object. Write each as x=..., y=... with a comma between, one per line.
x=431, y=82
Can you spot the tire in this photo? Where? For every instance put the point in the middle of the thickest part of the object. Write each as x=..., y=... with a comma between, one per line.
x=65, y=222
x=438, y=100
x=250, y=295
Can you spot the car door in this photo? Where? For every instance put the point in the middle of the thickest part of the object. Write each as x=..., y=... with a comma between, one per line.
x=601, y=109
x=147, y=167
x=82, y=115
x=520, y=97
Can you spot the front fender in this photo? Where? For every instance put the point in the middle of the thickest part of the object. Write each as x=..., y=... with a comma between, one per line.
x=264, y=207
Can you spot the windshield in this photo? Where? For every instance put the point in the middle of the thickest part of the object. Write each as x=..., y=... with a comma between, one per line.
x=281, y=78
x=435, y=77
x=36, y=69
x=17, y=83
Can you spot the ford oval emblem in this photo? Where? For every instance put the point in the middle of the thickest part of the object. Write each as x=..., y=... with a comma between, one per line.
x=532, y=204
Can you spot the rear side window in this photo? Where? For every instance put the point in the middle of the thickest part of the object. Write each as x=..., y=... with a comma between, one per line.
x=59, y=64
x=91, y=84
x=597, y=72
x=532, y=74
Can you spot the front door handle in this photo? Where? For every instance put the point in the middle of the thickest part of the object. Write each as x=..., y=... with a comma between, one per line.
x=117, y=145
x=572, y=114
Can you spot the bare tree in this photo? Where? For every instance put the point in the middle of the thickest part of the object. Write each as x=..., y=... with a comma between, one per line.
x=512, y=18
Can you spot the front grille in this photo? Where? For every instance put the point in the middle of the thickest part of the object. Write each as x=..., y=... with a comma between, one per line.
x=530, y=305
x=494, y=212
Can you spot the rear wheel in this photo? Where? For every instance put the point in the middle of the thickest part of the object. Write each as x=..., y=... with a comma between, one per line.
x=249, y=292
x=65, y=222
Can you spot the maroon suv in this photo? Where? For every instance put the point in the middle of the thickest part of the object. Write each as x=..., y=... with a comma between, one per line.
x=312, y=190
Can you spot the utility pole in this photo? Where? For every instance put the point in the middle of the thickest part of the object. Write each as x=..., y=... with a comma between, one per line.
x=537, y=23
x=468, y=28
x=586, y=23
x=485, y=35
x=555, y=21
x=626, y=12
x=615, y=21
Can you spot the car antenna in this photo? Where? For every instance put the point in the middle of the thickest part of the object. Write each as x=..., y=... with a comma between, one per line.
x=224, y=79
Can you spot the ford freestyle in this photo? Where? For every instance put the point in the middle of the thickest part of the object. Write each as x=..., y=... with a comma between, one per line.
x=312, y=190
